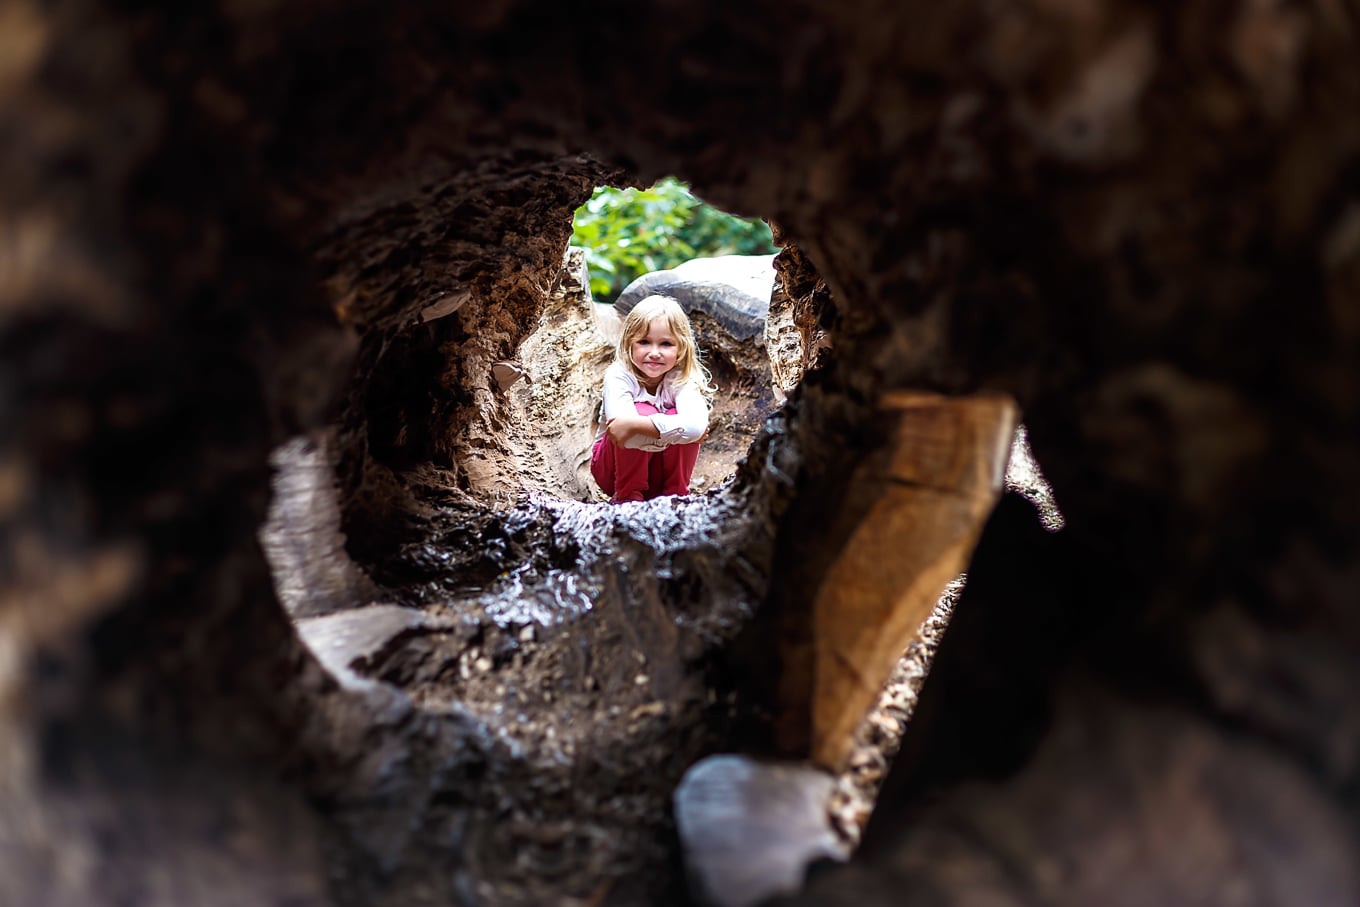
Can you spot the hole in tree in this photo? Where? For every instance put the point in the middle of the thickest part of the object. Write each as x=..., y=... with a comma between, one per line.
x=628, y=244
x=442, y=554
x=562, y=652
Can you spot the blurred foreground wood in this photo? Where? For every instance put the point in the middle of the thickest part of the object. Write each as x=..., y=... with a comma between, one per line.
x=931, y=495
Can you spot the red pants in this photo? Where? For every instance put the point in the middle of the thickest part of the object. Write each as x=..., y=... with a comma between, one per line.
x=626, y=474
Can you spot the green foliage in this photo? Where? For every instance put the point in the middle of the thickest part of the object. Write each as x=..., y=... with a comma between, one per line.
x=628, y=232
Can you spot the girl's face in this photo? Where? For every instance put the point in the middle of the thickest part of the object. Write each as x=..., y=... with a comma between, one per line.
x=654, y=352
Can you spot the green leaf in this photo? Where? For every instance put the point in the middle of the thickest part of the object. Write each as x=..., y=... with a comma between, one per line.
x=629, y=232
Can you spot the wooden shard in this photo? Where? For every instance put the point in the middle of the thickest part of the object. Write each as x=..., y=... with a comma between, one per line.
x=931, y=496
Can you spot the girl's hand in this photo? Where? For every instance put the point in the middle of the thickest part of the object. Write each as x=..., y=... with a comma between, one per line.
x=621, y=428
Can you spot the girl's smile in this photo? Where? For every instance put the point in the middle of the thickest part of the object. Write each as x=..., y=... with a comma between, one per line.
x=654, y=353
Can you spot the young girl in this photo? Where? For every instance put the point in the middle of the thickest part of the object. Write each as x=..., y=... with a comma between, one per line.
x=655, y=406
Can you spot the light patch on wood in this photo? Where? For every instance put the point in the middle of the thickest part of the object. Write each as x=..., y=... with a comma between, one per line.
x=53, y=594
x=14, y=479
x=445, y=306
x=943, y=478
x=750, y=829
x=507, y=373
x=27, y=248
x=1095, y=121
x=23, y=40
x=39, y=264
x=1266, y=42
x=344, y=296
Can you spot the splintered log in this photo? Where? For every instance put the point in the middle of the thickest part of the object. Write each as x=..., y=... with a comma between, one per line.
x=931, y=495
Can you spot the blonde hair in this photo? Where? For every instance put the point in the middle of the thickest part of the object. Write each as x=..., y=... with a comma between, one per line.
x=688, y=366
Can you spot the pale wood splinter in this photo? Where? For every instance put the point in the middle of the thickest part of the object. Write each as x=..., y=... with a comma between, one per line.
x=941, y=481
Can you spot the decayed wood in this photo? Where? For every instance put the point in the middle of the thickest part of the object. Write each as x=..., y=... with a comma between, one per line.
x=750, y=828
x=935, y=490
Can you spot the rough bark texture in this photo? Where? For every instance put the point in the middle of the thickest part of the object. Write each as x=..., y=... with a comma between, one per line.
x=235, y=225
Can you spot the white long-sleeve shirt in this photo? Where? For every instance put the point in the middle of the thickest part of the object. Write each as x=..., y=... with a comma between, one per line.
x=622, y=389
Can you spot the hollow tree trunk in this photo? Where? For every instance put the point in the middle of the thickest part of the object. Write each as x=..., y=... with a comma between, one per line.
x=1140, y=222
